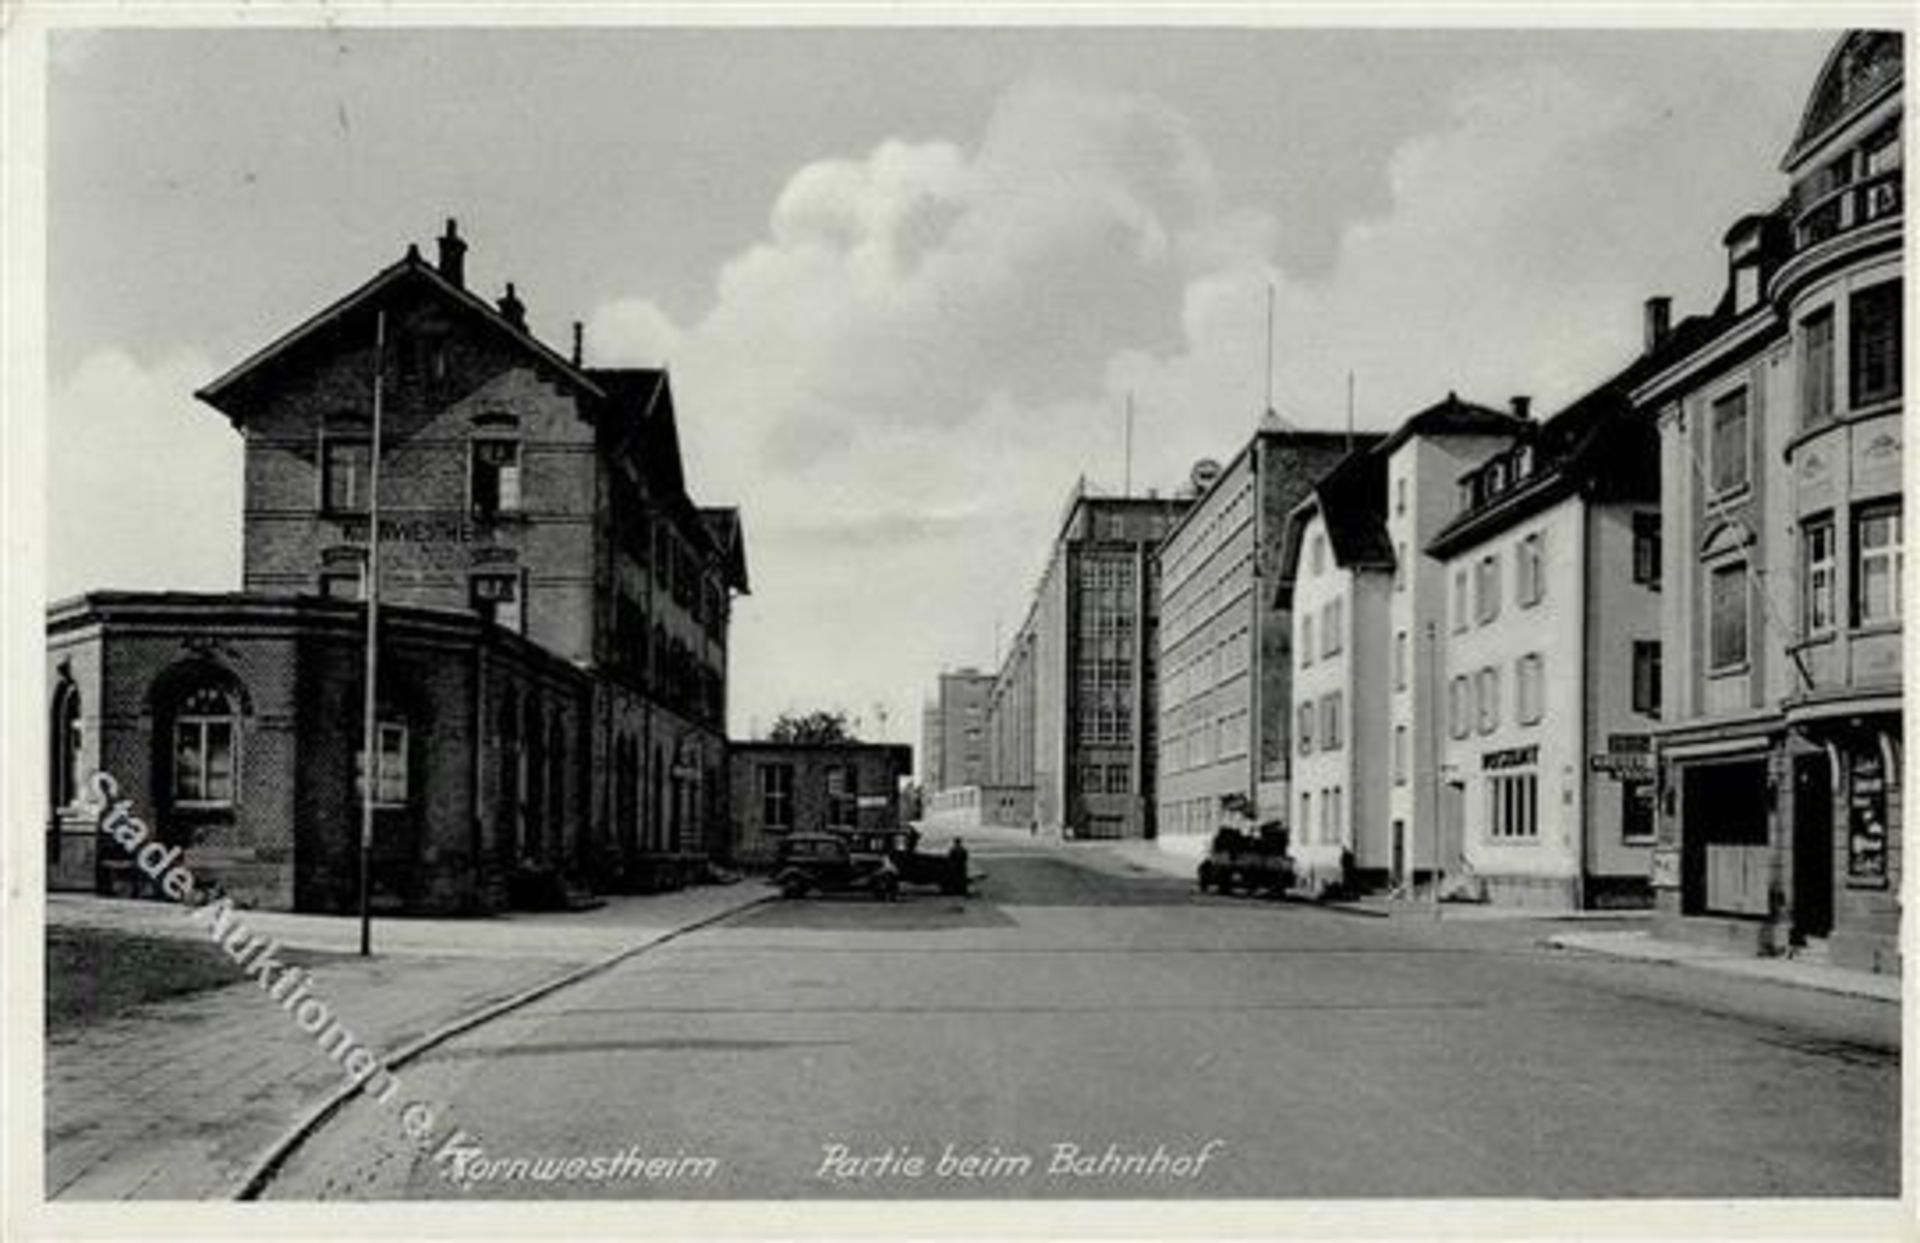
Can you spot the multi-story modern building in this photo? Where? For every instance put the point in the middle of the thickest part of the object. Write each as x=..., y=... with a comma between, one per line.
x=1358, y=586
x=1550, y=656
x=930, y=739
x=788, y=787
x=1225, y=647
x=1072, y=709
x=554, y=609
x=955, y=731
x=1780, y=756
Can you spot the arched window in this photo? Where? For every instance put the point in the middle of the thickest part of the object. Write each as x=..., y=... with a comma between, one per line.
x=65, y=738
x=205, y=759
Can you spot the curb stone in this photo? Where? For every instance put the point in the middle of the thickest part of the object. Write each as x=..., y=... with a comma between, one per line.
x=268, y=1164
x=1739, y=968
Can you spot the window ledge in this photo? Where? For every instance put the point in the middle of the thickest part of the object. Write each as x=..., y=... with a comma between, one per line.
x=1727, y=499
x=1731, y=671
x=1869, y=629
x=1839, y=419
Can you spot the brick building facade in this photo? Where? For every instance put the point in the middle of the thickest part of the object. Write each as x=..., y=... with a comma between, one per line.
x=780, y=788
x=555, y=613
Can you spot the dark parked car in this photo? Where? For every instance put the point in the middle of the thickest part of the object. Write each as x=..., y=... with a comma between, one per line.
x=1241, y=861
x=834, y=863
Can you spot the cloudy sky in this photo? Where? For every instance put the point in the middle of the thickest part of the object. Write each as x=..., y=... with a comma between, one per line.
x=904, y=278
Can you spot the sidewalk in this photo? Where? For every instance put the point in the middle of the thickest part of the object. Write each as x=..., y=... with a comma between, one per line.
x=1642, y=947
x=1611, y=933
x=178, y=1098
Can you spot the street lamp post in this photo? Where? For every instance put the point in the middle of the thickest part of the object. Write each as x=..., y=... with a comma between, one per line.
x=1434, y=723
x=370, y=742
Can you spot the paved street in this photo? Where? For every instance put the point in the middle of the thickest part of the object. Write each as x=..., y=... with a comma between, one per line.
x=1306, y=1052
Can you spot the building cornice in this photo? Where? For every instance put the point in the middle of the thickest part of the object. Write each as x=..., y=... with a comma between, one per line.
x=1740, y=340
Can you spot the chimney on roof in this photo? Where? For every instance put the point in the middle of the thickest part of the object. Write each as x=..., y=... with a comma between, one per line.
x=1659, y=321
x=453, y=254
x=1522, y=406
x=579, y=330
x=514, y=310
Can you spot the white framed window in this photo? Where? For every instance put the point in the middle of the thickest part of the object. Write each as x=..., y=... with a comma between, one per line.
x=1306, y=640
x=1332, y=623
x=1816, y=367
x=1400, y=660
x=1528, y=583
x=345, y=466
x=1877, y=564
x=1400, y=495
x=493, y=475
x=1400, y=565
x=1817, y=576
x=1727, y=603
x=497, y=597
x=1513, y=805
x=1460, y=706
x=1729, y=444
x=776, y=796
x=1330, y=727
x=1646, y=549
x=843, y=803
x=1486, y=589
x=1646, y=677
x=1873, y=333
x=1400, y=761
x=1487, y=694
x=205, y=755
x=1460, y=599
x=1303, y=726
x=390, y=784
x=1529, y=688
x=68, y=739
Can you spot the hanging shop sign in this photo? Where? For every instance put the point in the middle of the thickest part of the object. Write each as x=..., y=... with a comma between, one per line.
x=1867, y=817
x=1665, y=867
x=1511, y=757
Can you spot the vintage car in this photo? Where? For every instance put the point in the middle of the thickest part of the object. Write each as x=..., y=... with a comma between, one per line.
x=834, y=863
x=945, y=872
x=1241, y=861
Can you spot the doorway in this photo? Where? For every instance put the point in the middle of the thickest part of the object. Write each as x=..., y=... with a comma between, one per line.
x=1812, y=847
x=1453, y=826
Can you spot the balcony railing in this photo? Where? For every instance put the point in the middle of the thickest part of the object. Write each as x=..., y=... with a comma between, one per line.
x=1849, y=207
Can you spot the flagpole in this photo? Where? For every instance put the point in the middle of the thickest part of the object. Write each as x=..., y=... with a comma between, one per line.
x=370, y=766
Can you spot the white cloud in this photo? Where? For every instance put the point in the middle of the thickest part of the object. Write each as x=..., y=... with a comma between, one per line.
x=901, y=381
x=144, y=483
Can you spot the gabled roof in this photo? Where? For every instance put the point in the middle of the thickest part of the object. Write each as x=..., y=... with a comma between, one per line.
x=1353, y=505
x=1600, y=443
x=1452, y=417
x=639, y=405
x=723, y=526
x=229, y=393
x=1863, y=68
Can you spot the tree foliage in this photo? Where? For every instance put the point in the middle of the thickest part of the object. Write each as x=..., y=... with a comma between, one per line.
x=811, y=728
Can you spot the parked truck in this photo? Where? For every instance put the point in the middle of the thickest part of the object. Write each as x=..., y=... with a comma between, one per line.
x=1240, y=862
